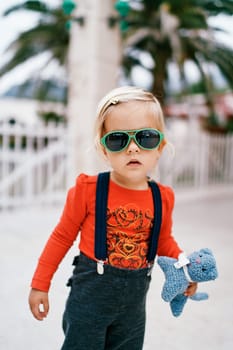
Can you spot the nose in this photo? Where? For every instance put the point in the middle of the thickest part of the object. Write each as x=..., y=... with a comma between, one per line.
x=132, y=147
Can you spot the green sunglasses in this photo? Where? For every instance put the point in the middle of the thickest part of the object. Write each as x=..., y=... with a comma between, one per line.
x=118, y=140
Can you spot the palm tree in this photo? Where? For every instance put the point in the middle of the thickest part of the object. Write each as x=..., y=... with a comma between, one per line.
x=47, y=36
x=175, y=31
x=86, y=60
x=164, y=29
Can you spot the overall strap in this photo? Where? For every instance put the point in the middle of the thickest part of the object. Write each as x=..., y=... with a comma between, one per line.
x=101, y=215
x=101, y=220
x=153, y=245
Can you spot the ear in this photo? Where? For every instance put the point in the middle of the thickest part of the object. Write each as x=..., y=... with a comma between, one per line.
x=161, y=146
x=206, y=251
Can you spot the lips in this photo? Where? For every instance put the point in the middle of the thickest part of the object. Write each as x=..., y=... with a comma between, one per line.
x=134, y=162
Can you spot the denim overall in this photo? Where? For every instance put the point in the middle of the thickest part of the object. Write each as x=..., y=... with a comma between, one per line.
x=106, y=306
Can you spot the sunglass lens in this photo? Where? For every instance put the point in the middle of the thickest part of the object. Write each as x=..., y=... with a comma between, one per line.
x=116, y=141
x=148, y=139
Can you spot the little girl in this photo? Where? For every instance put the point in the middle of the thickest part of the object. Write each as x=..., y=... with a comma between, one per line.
x=105, y=309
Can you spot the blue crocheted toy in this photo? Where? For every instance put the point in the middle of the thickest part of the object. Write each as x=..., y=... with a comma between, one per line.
x=199, y=266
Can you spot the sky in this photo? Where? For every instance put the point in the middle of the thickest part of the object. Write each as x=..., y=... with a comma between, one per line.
x=10, y=27
x=13, y=24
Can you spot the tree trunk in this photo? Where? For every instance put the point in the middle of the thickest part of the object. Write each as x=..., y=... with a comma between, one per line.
x=159, y=74
x=94, y=57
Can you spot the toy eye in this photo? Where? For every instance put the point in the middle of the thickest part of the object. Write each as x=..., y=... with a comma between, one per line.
x=203, y=269
x=200, y=255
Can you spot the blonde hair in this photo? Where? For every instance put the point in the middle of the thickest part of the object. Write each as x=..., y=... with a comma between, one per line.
x=122, y=95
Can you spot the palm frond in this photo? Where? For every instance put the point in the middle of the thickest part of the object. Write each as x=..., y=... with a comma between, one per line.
x=223, y=56
x=44, y=37
x=213, y=8
x=37, y=6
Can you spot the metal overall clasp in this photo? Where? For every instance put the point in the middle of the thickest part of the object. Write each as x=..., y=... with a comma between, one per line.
x=100, y=267
x=150, y=268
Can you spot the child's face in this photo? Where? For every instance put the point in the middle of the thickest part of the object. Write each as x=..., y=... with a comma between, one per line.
x=132, y=165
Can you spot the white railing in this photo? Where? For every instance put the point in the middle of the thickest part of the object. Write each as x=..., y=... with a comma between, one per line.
x=33, y=163
x=200, y=159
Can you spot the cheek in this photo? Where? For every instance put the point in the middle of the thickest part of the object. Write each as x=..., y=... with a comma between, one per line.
x=111, y=157
x=155, y=155
x=153, y=158
x=103, y=153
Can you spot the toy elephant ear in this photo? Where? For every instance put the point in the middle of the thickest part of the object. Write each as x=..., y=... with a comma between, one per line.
x=206, y=251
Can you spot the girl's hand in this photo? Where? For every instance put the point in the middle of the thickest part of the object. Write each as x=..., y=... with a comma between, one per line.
x=39, y=304
x=192, y=288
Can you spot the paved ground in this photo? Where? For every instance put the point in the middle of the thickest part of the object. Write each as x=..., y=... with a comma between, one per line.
x=198, y=223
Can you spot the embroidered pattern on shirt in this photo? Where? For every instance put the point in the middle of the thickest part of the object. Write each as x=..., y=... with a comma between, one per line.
x=128, y=233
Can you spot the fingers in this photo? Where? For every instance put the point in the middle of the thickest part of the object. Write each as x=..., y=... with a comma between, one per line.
x=191, y=290
x=39, y=304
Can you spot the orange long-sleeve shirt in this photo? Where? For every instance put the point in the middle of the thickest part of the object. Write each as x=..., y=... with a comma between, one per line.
x=129, y=221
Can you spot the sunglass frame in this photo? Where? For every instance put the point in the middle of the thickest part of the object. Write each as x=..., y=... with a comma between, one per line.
x=131, y=134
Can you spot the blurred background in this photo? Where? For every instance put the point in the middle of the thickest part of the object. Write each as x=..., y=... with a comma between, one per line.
x=58, y=58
